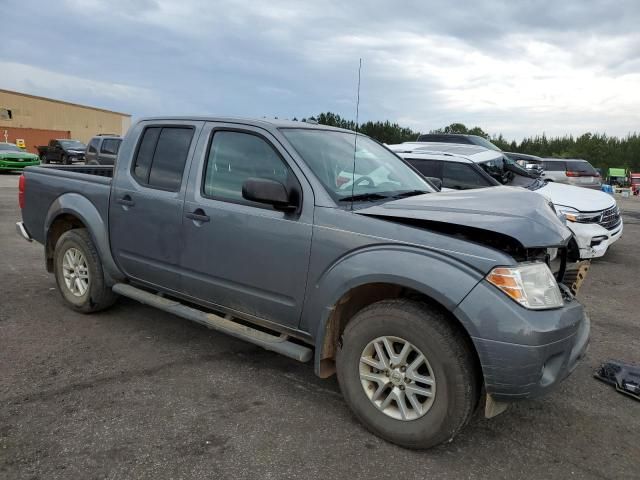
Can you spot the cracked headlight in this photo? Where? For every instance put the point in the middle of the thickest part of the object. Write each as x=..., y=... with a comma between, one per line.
x=532, y=285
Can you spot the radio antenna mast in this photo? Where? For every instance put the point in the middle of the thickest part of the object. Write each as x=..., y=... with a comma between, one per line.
x=355, y=139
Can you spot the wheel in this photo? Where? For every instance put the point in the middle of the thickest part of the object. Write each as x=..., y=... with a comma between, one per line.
x=407, y=373
x=78, y=272
x=43, y=159
x=65, y=160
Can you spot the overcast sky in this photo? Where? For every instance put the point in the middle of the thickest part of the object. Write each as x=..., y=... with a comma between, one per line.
x=520, y=68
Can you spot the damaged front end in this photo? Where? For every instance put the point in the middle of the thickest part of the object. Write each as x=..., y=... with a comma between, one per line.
x=519, y=223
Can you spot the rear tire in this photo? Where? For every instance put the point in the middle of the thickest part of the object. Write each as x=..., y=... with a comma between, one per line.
x=79, y=274
x=424, y=421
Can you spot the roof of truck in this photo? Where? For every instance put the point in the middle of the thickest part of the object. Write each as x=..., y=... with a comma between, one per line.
x=272, y=122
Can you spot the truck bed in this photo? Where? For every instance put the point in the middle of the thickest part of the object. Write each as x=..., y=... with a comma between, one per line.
x=46, y=185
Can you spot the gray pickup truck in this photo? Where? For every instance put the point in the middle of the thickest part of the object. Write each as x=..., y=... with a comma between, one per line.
x=427, y=304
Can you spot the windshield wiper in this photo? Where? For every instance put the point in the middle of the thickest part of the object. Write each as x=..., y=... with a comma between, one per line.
x=363, y=196
x=409, y=193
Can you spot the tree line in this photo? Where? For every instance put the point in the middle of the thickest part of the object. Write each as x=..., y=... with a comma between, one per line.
x=600, y=149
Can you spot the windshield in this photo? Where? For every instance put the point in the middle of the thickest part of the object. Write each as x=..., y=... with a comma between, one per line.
x=73, y=144
x=9, y=147
x=508, y=172
x=378, y=172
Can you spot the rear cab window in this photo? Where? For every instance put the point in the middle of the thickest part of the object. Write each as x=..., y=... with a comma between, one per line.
x=161, y=156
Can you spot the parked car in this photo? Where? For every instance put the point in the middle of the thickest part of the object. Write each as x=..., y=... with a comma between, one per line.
x=244, y=226
x=63, y=151
x=635, y=183
x=531, y=163
x=592, y=216
x=579, y=173
x=13, y=157
x=103, y=150
x=458, y=138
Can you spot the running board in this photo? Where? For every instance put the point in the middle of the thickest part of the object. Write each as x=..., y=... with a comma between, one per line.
x=279, y=344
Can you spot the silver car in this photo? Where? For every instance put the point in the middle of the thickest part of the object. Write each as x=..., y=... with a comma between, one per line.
x=571, y=171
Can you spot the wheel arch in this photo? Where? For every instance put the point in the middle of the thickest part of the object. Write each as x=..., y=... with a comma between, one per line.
x=71, y=211
x=400, y=273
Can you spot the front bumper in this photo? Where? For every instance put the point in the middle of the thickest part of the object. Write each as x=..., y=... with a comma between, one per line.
x=11, y=165
x=593, y=239
x=523, y=353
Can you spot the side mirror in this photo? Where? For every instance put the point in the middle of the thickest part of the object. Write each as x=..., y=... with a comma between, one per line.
x=270, y=192
x=436, y=182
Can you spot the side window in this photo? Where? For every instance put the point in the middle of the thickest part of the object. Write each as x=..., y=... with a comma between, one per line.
x=161, y=157
x=93, y=145
x=110, y=146
x=554, y=166
x=461, y=177
x=428, y=168
x=235, y=157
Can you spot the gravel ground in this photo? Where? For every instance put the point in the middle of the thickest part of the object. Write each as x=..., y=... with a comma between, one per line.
x=137, y=393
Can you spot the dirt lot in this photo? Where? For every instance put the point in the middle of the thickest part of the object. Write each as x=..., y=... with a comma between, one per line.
x=137, y=393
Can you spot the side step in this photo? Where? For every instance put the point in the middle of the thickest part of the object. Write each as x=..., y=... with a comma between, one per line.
x=279, y=344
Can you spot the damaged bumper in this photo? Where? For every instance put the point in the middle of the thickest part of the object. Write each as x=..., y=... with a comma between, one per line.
x=523, y=353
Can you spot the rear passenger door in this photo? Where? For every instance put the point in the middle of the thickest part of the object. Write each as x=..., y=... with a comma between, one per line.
x=238, y=254
x=145, y=211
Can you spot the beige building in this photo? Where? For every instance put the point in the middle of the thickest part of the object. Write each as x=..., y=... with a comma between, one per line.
x=36, y=120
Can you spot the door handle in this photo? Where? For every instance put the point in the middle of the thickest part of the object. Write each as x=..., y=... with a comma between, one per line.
x=126, y=201
x=198, y=215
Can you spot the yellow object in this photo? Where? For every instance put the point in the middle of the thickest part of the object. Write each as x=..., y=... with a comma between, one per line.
x=20, y=143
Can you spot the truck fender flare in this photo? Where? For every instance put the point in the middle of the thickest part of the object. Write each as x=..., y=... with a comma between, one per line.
x=85, y=211
x=403, y=266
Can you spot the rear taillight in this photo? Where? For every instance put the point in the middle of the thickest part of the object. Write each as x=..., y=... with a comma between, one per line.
x=572, y=174
x=21, y=185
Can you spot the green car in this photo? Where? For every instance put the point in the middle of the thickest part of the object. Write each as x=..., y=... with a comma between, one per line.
x=13, y=157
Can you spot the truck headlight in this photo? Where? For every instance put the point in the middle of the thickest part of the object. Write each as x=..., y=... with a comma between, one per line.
x=532, y=285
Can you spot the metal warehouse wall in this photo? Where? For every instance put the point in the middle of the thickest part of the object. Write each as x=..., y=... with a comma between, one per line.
x=31, y=112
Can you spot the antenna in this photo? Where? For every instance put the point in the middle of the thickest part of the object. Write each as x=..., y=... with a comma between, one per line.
x=355, y=140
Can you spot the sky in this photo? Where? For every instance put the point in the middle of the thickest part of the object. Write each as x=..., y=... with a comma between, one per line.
x=518, y=68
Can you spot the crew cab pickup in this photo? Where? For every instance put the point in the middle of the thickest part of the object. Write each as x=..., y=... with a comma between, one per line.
x=63, y=151
x=426, y=304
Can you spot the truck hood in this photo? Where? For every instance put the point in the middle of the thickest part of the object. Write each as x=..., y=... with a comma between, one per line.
x=522, y=215
x=582, y=199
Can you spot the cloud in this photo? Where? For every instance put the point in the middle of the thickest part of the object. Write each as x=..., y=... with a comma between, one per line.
x=511, y=67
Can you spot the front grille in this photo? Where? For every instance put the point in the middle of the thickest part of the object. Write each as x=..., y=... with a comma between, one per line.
x=610, y=218
x=11, y=159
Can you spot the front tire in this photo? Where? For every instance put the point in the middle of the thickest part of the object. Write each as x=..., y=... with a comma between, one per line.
x=407, y=373
x=43, y=159
x=65, y=160
x=79, y=274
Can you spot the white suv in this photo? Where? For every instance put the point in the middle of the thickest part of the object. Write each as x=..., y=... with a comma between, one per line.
x=592, y=216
